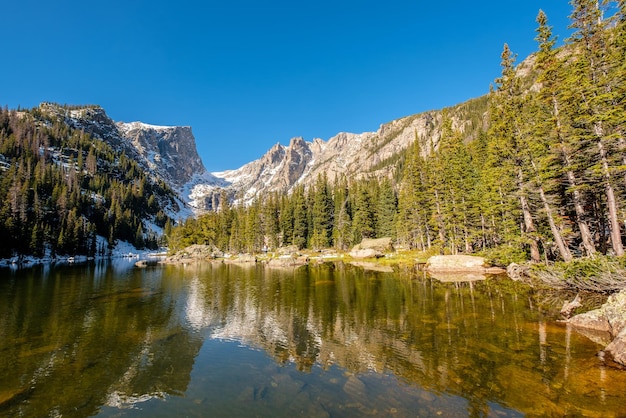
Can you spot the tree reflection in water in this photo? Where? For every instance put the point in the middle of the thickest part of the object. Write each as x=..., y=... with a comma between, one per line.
x=329, y=339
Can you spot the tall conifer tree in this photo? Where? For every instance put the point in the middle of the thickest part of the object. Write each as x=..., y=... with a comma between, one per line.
x=594, y=98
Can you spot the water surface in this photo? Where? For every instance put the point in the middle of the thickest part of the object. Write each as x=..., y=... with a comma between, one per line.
x=331, y=340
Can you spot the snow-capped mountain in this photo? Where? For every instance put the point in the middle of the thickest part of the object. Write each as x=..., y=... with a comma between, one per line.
x=169, y=153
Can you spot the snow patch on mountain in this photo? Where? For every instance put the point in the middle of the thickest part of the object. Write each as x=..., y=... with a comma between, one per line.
x=128, y=126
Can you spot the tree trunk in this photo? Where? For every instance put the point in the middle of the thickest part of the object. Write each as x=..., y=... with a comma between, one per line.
x=585, y=234
x=468, y=247
x=566, y=255
x=529, y=226
x=442, y=233
x=611, y=202
x=483, y=229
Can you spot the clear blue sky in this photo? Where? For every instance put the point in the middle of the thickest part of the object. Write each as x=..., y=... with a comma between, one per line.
x=247, y=74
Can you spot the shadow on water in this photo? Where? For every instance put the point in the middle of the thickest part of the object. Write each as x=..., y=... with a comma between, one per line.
x=321, y=340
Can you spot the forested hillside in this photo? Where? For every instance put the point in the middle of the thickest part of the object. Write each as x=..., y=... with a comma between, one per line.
x=60, y=188
x=545, y=180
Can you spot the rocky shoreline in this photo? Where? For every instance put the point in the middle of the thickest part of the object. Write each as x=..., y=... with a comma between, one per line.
x=606, y=326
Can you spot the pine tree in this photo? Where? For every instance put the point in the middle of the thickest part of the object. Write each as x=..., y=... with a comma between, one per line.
x=363, y=221
x=414, y=201
x=286, y=220
x=270, y=221
x=386, y=210
x=342, y=225
x=594, y=98
x=322, y=214
x=551, y=156
x=508, y=157
x=300, y=218
x=454, y=178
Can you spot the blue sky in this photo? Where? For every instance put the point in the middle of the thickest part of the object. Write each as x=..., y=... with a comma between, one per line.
x=247, y=74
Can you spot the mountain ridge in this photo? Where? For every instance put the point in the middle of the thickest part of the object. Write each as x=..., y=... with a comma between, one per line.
x=366, y=154
x=169, y=153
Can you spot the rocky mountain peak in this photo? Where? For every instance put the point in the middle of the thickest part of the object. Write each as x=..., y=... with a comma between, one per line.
x=168, y=150
x=274, y=155
x=368, y=154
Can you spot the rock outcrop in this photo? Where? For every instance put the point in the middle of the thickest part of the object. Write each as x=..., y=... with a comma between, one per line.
x=607, y=325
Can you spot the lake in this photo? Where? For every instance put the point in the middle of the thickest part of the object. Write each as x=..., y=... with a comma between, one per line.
x=108, y=339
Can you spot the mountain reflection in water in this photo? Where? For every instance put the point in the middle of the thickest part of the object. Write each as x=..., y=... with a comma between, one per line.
x=325, y=340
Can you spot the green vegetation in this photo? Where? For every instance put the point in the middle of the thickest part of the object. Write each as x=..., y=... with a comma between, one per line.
x=543, y=180
x=599, y=274
x=60, y=188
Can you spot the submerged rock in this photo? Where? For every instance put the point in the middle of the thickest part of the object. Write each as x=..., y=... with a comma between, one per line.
x=288, y=261
x=609, y=318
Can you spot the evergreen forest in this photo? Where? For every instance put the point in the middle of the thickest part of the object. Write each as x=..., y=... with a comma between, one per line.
x=546, y=180
x=60, y=189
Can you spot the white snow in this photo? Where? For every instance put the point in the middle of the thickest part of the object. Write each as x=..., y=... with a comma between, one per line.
x=123, y=250
x=127, y=126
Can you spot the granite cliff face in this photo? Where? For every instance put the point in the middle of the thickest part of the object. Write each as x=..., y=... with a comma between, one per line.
x=167, y=150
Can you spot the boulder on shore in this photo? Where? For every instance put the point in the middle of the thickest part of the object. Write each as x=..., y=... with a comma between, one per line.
x=456, y=263
x=382, y=245
x=193, y=253
x=609, y=319
x=372, y=248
